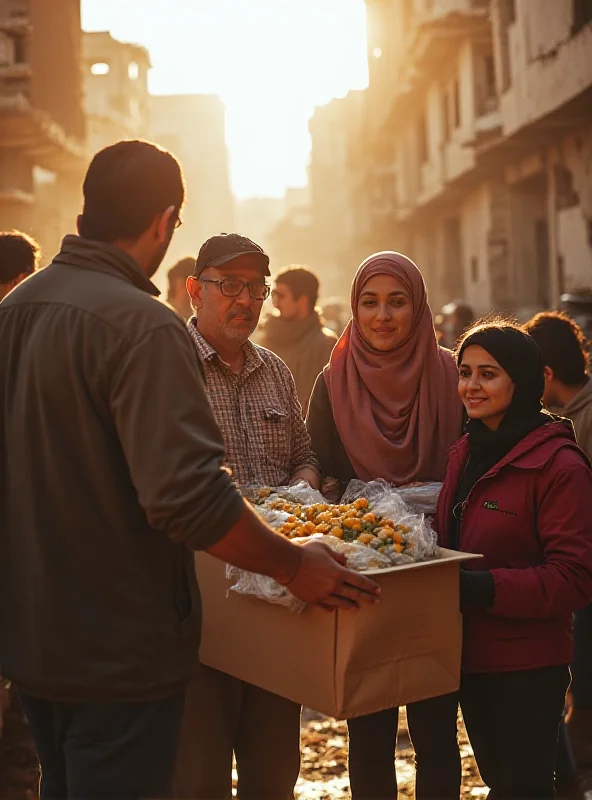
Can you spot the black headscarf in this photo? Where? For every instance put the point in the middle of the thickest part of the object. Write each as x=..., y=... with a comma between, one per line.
x=518, y=354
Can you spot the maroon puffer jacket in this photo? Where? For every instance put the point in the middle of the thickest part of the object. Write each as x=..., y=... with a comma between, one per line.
x=530, y=517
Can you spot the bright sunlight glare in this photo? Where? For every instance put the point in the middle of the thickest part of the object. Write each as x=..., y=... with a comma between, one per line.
x=271, y=62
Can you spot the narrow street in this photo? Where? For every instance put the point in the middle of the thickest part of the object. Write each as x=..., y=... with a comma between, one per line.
x=324, y=763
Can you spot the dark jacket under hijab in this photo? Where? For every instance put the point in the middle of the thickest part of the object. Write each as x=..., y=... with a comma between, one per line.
x=109, y=472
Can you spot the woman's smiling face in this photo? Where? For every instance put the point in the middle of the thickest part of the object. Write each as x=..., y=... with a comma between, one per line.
x=484, y=386
x=385, y=312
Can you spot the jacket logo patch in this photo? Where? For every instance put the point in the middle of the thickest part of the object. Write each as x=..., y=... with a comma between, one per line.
x=493, y=505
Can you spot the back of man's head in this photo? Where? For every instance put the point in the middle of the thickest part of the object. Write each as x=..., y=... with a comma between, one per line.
x=562, y=344
x=177, y=295
x=127, y=186
x=302, y=282
x=180, y=271
x=19, y=255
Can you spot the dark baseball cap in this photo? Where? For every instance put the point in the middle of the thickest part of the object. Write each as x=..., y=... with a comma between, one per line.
x=218, y=250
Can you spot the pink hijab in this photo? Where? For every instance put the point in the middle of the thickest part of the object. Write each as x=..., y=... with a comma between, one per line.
x=397, y=411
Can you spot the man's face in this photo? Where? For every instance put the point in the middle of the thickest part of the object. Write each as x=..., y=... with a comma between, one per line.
x=284, y=301
x=550, y=396
x=229, y=319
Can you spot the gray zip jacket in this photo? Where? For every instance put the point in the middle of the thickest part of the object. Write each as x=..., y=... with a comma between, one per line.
x=110, y=471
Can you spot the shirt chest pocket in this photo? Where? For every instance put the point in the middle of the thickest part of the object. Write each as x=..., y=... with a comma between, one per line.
x=503, y=531
x=276, y=429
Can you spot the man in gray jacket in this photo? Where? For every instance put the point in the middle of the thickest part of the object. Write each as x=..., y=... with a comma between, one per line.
x=568, y=389
x=110, y=473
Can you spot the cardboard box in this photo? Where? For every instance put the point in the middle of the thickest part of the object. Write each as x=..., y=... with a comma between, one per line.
x=343, y=664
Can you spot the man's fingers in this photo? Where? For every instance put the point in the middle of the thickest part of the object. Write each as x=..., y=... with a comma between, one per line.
x=366, y=586
x=336, y=601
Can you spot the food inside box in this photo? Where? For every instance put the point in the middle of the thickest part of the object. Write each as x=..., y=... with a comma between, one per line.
x=372, y=526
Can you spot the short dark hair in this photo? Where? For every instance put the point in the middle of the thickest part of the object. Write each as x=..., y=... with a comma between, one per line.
x=180, y=271
x=563, y=345
x=300, y=281
x=127, y=185
x=19, y=254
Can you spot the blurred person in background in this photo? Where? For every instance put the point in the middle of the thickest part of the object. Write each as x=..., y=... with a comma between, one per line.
x=177, y=296
x=568, y=390
x=453, y=321
x=387, y=406
x=336, y=313
x=19, y=256
x=518, y=491
x=578, y=305
x=296, y=333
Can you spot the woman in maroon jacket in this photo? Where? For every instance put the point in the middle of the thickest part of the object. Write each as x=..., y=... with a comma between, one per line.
x=519, y=491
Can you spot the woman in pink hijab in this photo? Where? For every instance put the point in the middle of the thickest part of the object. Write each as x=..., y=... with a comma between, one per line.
x=387, y=406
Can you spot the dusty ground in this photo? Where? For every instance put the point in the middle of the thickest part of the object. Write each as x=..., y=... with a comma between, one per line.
x=324, y=763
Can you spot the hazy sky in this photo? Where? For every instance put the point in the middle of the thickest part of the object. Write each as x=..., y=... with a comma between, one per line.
x=271, y=61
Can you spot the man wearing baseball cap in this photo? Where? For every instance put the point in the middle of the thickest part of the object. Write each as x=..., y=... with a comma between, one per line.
x=254, y=400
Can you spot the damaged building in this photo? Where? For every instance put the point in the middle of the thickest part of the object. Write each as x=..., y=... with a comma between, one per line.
x=472, y=151
x=42, y=124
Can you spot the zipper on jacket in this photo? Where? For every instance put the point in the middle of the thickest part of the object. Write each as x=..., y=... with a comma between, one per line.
x=463, y=508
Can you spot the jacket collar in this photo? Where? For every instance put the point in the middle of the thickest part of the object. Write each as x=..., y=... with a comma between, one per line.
x=101, y=257
x=532, y=452
x=582, y=399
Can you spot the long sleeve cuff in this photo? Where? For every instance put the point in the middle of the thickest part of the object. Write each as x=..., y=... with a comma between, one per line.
x=477, y=588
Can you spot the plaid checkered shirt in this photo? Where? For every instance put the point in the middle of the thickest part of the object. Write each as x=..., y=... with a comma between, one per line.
x=258, y=413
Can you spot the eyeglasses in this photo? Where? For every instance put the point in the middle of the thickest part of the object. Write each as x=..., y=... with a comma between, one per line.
x=232, y=287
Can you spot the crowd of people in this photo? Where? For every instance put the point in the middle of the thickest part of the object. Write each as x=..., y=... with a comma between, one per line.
x=129, y=426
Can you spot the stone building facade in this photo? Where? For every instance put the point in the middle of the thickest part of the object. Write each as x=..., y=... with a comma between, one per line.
x=42, y=123
x=117, y=102
x=472, y=148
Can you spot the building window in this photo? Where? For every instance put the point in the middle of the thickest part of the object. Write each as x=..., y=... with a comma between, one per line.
x=20, y=50
x=474, y=269
x=582, y=14
x=445, y=114
x=565, y=194
x=6, y=51
x=507, y=16
x=490, y=88
x=422, y=135
x=133, y=71
x=485, y=85
x=99, y=68
x=456, y=103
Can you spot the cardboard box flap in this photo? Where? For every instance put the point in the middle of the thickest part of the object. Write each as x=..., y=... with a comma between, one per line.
x=446, y=555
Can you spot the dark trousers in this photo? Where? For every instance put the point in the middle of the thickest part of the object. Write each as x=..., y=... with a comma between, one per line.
x=433, y=732
x=581, y=687
x=122, y=751
x=566, y=769
x=512, y=719
x=224, y=715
